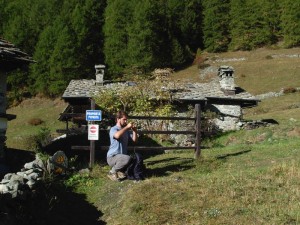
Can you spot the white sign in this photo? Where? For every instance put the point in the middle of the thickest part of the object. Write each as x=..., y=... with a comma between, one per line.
x=93, y=132
x=93, y=115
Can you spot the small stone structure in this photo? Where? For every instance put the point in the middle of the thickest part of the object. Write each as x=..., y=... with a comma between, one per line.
x=227, y=85
x=100, y=74
x=162, y=74
x=21, y=183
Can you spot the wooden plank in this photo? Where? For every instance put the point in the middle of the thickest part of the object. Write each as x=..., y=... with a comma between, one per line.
x=139, y=131
x=159, y=118
x=165, y=132
x=86, y=148
x=73, y=114
x=161, y=148
x=104, y=148
x=198, y=131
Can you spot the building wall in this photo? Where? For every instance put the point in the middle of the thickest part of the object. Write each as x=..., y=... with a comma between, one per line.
x=3, y=105
x=230, y=115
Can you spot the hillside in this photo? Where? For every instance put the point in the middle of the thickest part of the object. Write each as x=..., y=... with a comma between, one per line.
x=258, y=72
x=244, y=177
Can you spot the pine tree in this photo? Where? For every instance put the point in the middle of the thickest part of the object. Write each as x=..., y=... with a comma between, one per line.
x=250, y=25
x=216, y=25
x=74, y=46
x=191, y=21
x=147, y=36
x=39, y=79
x=87, y=21
x=118, y=14
x=290, y=22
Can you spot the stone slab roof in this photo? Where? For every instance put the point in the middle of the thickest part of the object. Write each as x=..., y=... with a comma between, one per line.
x=184, y=91
x=12, y=57
x=197, y=91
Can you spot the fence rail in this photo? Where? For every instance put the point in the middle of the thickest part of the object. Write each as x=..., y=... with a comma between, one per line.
x=196, y=131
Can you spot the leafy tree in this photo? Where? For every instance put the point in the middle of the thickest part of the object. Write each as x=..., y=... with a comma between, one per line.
x=137, y=99
x=216, y=25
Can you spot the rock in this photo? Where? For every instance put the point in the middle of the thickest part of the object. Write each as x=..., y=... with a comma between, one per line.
x=3, y=189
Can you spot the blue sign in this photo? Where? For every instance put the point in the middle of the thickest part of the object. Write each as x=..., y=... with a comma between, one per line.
x=93, y=115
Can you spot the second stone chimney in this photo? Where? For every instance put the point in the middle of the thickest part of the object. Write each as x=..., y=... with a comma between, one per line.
x=225, y=74
x=100, y=74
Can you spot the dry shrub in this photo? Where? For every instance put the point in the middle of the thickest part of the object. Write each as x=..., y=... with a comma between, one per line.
x=289, y=90
x=269, y=57
x=199, y=59
x=35, y=121
x=294, y=133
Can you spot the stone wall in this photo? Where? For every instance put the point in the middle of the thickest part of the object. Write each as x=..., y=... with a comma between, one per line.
x=20, y=184
x=229, y=116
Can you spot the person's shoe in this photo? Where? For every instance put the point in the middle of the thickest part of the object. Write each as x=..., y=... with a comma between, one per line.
x=113, y=176
x=121, y=175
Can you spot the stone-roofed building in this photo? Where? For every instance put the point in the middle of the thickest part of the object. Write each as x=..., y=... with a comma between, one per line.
x=10, y=58
x=220, y=95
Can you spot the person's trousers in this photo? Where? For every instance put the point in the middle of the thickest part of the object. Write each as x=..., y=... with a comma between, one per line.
x=118, y=162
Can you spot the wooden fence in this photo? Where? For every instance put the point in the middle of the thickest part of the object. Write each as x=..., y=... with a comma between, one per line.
x=195, y=131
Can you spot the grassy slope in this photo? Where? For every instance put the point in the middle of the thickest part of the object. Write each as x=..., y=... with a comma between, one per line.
x=38, y=108
x=246, y=177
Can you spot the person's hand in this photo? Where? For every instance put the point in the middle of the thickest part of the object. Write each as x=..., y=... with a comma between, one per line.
x=131, y=126
x=134, y=128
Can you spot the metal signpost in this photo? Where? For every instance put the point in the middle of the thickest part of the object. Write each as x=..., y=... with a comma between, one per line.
x=93, y=129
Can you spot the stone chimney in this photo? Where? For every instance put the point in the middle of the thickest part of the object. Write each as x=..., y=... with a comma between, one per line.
x=225, y=74
x=100, y=74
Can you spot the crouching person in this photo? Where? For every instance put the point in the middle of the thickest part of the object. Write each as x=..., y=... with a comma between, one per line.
x=117, y=156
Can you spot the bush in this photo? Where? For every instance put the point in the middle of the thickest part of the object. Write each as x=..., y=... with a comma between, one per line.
x=269, y=57
x=35, y=121
x=38, y=141
x=289, y=90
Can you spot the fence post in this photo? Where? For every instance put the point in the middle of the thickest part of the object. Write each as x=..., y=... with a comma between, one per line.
x=92, y=142
x=198, y=131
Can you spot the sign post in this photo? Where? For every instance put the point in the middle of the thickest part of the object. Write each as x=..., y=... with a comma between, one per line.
x=93, y=129
x=93, y=132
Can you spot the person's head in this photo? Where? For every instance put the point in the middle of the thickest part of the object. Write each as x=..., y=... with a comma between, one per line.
x=121, y=118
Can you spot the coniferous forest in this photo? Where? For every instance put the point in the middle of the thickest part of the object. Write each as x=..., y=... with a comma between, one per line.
x=68, y=37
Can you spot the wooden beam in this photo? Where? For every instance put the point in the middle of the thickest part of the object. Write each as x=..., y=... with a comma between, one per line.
x=198, y=131
x=166, y=132
x=92, y=142
x=160, y=118
x=105, y=148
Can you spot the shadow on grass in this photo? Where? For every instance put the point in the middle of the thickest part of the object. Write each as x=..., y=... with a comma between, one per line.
x=14, y=160
x=232, y=154
x=165, y=167
x=50, y=204
x=74, y=209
